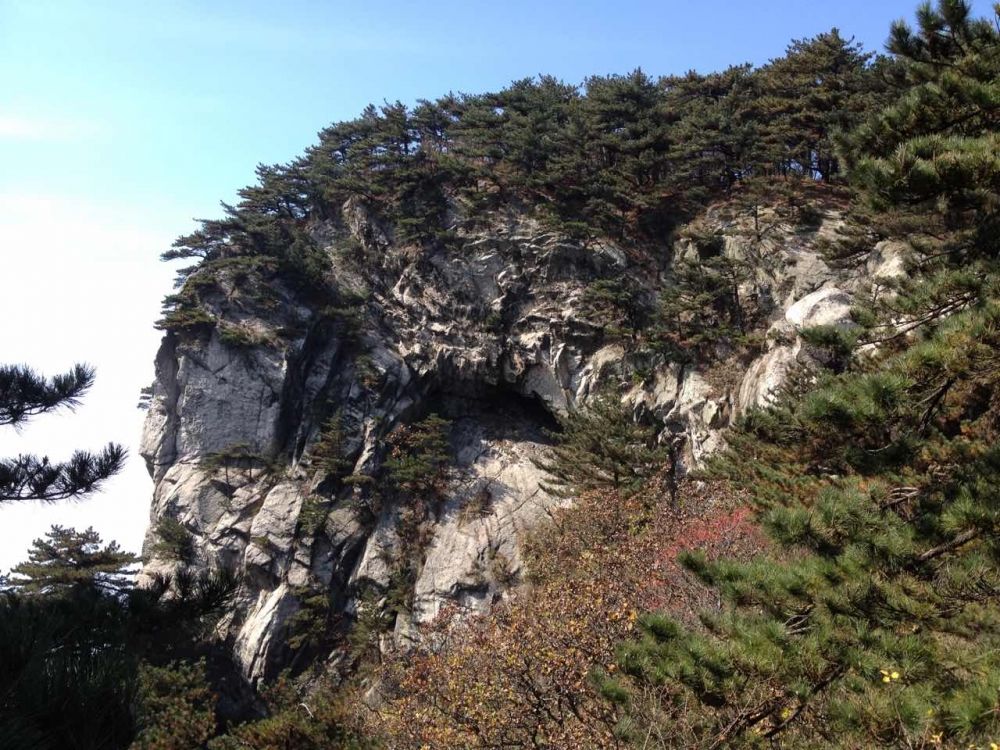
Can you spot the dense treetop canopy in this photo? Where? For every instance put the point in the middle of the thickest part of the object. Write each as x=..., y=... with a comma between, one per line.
x=625, y=156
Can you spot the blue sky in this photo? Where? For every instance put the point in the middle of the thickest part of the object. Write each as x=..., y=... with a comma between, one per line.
x=121, y=121
x=172, y=103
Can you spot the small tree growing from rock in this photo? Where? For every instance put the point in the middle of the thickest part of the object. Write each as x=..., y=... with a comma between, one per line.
x=602, y=447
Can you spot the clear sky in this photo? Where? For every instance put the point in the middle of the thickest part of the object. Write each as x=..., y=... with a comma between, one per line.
x=120, y=121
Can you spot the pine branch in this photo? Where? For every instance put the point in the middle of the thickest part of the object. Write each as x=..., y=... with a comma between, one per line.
x=823, y=683
x=941, y=549
x=24, y=393
x=934, y=401
x=31, y=478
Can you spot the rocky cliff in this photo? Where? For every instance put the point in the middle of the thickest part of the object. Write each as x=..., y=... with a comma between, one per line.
x=495, y=332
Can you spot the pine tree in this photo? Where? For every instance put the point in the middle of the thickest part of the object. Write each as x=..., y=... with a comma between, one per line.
x=602, y=447
x=615, y=305
x=176, y=707
x=873, y=620
x=68, y=560
x=70, y=653
x=66, y=677
x=818, y=88
x=419, y=457
x=932, y=163
x=330, y=450
x=626, y=156
x=712, y=141
x=629, y=140
x=703, y=306
x=24, y=394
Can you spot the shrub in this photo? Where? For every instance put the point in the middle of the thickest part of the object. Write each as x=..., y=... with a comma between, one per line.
x=173, y=540
x=329, y=452
x=187, y=319
x=176, y=708
x=523, y=675
x=240, y=336
x=313, y=514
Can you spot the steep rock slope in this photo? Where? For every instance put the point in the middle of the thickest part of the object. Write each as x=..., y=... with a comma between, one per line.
x=494, y=332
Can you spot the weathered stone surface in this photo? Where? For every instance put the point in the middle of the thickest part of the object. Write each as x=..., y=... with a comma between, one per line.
x=828, y=306
x=888, y=260
x=475, y=554
x=765, y=376
x=704, y=411
x=492, y=333
x=261, y=633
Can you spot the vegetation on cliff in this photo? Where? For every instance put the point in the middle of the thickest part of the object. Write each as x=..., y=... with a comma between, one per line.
x=828, y=580
x=627, y=157
x=871, y=618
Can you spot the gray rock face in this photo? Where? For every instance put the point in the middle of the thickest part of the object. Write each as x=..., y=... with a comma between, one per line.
x=494, y=334
x=828, y=306
x=766, y=375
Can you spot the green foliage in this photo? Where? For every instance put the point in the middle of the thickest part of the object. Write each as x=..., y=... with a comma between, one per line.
x=615, y=306
x=24, y=394
x=820, y=87
x=349, y=319
x=218, y=286
x=939, y=140
x=70, y=657
x=931, y=161
x=67, y=679
x=173, y=540
x=176, y=707
x=304, y=722
x=238, y=461
x=600, y=448
x=310, y=626
x=330, y=450
x=702, y=308
x=881, y=489
x=240, y=336
x=313, y=515
x=419, y=457
x=68, y=560
x=623, y=156
x=366, y=372
x=413, y=477
x=874, y=618
x=185, y=317
x=835, y=344
x=373, y=618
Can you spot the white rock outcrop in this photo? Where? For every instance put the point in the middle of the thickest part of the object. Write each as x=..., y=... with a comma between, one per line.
x=495, y=335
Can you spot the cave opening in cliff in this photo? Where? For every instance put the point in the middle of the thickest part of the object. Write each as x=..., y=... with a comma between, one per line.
x=498, y=409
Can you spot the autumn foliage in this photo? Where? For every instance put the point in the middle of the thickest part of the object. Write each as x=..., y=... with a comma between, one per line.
x=525, y=675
